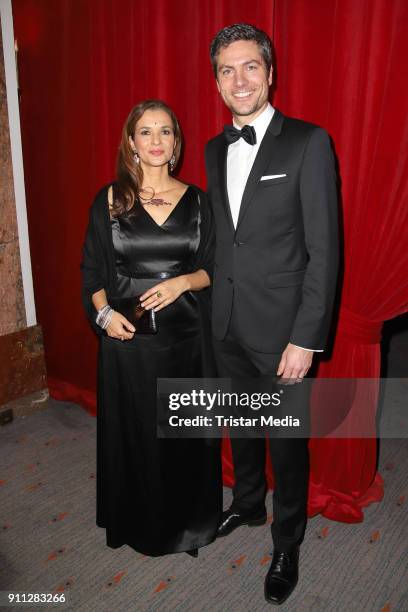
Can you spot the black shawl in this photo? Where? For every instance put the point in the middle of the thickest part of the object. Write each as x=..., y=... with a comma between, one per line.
x=99, y=272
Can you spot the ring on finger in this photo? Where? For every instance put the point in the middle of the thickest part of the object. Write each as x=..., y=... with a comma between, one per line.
x=158, y=294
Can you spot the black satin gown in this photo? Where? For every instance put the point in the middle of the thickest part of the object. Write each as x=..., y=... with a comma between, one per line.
x=158, y=496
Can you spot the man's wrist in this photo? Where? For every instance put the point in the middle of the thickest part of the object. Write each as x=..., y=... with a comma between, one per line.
x=308, y=349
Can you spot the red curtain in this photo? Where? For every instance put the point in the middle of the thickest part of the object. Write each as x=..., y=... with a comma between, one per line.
x=82, y=66
x=341, y=65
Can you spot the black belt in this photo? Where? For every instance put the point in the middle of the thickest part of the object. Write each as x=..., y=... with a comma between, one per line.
x=159, y=275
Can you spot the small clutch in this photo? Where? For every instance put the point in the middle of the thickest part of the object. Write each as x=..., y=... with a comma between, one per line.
x=143, y=320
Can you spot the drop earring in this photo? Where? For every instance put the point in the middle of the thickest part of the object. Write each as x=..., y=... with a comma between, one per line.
x=172, y=162
x=136, y=158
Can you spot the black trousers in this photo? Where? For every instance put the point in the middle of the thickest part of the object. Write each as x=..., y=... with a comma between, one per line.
x=289, y=455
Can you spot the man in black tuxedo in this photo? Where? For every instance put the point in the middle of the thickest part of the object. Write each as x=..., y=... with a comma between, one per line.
x=272, y=186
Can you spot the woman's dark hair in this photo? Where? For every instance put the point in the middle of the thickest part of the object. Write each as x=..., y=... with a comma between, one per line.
x=241, y=31
x=129, y=173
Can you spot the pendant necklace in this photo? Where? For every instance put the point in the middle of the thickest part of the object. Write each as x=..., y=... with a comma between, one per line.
x=151, y=199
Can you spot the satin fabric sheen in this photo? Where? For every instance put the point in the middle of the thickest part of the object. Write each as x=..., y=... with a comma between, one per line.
x=340, y=67
x=149, y=495
x=143, y=246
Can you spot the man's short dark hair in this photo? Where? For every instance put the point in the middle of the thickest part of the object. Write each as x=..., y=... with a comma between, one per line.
x=241, y=31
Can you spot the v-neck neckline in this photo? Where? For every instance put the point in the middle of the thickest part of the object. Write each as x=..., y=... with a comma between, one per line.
x=171, y=213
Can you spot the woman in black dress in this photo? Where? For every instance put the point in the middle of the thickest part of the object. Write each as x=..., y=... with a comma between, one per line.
x=150, y=235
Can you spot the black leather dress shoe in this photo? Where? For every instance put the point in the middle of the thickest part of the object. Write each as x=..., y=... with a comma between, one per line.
x=282, y=576
x=231, y=519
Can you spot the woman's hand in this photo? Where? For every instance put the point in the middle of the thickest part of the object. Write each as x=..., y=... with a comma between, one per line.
x=120, y=328
x=165, y=293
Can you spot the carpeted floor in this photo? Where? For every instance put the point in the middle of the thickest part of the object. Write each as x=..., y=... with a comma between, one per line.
x=49, y=541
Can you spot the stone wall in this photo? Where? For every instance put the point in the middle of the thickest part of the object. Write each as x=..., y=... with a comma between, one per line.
x=12, y=311
x=22, y=367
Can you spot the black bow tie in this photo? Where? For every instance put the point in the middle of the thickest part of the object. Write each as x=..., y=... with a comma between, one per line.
x=247, y=133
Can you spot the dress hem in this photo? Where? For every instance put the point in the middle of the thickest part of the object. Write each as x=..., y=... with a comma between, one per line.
x=160, y=554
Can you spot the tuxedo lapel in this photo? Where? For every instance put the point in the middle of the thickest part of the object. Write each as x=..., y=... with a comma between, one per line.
x=222, y=180
x=263, y=158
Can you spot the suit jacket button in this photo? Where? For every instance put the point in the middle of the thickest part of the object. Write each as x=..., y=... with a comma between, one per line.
x=229, y=279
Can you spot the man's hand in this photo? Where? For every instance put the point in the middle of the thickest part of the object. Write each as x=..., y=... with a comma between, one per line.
x=295, y=363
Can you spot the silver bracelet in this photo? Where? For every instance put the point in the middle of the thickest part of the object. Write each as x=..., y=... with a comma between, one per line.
x=101, y=313
x=108, y=318
x=104, y=316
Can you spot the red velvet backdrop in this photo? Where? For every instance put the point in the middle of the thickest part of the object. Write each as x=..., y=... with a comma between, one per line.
x=83, y=65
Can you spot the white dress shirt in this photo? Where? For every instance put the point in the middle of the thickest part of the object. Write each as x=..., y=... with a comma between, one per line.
x=240, y=159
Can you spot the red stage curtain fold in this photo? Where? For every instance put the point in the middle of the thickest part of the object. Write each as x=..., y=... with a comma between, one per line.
x=342, y=66
x=83, y=65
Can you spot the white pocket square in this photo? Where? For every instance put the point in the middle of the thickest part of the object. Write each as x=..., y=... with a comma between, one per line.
x=272, y=176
